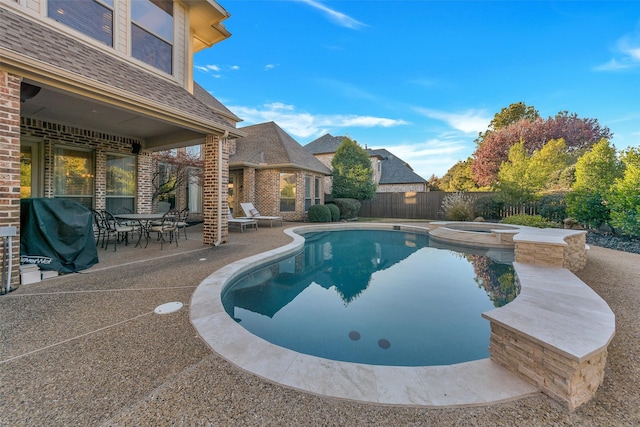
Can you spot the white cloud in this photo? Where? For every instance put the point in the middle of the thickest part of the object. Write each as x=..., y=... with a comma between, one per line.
x=627, y=54
x=270, y=67
x=338, y=18
x=432, y=157
x=304, y=125
x=214, y=70
x=470, y=121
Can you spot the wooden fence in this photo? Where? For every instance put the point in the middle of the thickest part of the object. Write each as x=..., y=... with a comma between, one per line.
x=428, y=205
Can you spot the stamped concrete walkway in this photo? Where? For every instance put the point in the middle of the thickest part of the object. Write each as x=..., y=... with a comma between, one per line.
x=86, y=349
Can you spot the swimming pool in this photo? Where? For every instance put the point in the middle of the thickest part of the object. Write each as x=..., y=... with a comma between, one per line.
x=379, y=297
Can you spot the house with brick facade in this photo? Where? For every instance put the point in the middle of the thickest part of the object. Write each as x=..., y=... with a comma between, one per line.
x=90, y=89
x=390, y=173
x=270, y=169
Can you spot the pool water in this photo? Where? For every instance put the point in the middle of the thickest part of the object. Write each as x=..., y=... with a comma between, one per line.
x=377, y=297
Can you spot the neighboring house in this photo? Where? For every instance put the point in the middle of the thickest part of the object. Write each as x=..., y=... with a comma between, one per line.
x=270, y=169
x=390, y=173
x=89, y=89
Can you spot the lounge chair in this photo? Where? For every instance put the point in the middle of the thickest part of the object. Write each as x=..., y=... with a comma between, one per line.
x=241, y=223
x=252, y=213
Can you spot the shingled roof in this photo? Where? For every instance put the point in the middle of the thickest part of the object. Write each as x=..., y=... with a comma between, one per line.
x=393, y=169
x=266, y=144
x=28, y=38
x=324, y=145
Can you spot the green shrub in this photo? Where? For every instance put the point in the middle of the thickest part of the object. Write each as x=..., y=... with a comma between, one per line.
x=489, y=207
x=319, y=213
x=553, y=207
x=349, y=208
x=459, y=207
x=530, y=221
x=335, y=212
x=588, y=208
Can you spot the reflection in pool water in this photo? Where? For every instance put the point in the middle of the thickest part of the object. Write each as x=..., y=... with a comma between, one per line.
x=377, y=297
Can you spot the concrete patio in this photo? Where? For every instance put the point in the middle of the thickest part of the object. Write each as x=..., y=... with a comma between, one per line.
x=87, y=349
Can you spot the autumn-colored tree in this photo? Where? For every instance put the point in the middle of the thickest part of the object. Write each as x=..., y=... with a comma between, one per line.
x=174, y=169
x=434, y=183
x=508, y=115
x=578, y=134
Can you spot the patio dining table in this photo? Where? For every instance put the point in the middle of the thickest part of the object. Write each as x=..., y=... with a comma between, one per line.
x=143, y=221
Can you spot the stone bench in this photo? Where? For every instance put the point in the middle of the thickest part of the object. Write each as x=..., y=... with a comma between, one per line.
x=554, y=334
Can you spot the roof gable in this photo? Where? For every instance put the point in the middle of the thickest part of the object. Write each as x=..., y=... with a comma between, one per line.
x=267, y=144
x=395, y=170
x=325, y=144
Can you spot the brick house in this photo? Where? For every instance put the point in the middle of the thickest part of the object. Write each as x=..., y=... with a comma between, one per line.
x=270, y=169
x=91, y=87
x=390, y=173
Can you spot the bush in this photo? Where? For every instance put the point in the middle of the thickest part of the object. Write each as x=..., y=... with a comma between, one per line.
x=589, y=209
x=553, y=207
x=489, y=207
x=349, y=208
x=335, y=212
x=319, y=213
x=530, y=221
x=459, y=207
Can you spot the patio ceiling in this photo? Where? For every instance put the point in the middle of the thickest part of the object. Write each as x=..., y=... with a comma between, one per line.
x=56, y=105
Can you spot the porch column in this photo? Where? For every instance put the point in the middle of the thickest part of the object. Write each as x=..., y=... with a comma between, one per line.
x=146, y=167
x=215, y=186
x=249, y=185
x=10, y=164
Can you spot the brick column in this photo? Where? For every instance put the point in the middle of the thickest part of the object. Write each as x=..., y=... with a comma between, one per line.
x=248, y=185
x=10, y=163
x=215, y=184
x=146, y=168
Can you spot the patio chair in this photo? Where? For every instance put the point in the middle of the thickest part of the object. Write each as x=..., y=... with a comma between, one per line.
x=182, y=223
x=114, y=227
x=252, y=213
x=99, y=228
x=241, y=223
x=166, y=226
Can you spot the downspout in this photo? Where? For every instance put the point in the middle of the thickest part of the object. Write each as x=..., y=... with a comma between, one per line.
x=219, y=240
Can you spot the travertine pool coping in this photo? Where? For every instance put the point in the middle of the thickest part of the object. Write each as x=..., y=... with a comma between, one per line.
x=471, y=383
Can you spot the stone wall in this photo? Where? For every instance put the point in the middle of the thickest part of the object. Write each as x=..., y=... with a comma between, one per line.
x=563, y=378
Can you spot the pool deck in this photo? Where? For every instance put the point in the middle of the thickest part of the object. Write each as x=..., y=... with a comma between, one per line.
x=87, y=349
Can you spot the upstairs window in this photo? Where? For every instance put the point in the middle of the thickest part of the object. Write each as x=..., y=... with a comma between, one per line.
x=91, y=17
x=152, y=33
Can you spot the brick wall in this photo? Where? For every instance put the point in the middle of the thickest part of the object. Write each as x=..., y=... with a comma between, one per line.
x=10, y=163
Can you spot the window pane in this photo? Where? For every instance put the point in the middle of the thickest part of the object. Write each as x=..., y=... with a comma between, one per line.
x=150, y=49
x=287, y=192
x=73, y=172
x=155, y=16
x=317, y=190
x=86, y=16
x=121, y=176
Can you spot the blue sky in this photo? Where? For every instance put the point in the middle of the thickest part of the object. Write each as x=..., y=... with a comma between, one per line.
x=422, y=78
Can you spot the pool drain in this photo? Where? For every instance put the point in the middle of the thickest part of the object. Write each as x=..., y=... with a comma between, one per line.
x=167, y=308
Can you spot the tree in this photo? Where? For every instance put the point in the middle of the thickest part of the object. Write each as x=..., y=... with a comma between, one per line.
x=524, y=176
x=174, y=169
x=596, y=170
x=624, y=197
x=434, y=183
x=459, y=178
x=352, y=172
x=493, y=149
x=508, y=115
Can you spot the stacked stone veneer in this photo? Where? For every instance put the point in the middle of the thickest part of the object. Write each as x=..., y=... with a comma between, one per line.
x=570, y=253
x=562, y=377
x=555, y=334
